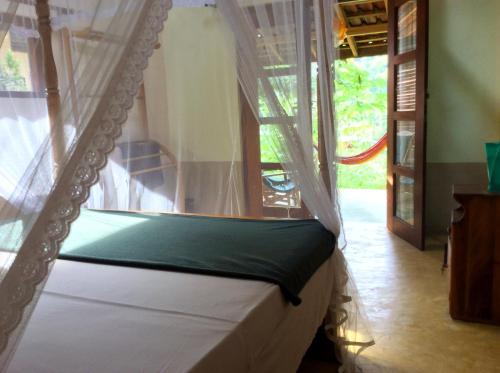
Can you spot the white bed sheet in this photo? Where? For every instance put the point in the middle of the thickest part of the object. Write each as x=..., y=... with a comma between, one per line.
x=100, y=318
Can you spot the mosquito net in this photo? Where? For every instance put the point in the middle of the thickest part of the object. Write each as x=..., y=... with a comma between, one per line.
x=233, y=116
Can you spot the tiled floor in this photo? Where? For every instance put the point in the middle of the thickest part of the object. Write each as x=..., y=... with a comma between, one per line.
x=406, y=298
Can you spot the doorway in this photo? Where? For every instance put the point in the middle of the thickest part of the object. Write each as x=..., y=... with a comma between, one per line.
x=380, y=101
x=361, y=105
x=397, y=29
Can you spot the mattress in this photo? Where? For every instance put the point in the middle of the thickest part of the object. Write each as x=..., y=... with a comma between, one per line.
x=102, y=318
x=284, y=252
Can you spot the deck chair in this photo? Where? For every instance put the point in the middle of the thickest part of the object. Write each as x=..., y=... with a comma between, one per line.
x=278, y=189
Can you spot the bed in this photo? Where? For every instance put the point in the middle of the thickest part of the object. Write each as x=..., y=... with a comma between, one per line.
x=96, y=317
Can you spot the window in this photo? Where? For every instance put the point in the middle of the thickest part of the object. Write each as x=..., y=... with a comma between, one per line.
x=21, y=68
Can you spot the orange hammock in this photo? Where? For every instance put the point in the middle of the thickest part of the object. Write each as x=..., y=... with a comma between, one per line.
x=368, y=154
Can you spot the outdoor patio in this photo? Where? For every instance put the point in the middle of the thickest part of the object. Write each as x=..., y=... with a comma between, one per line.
x=363, y=205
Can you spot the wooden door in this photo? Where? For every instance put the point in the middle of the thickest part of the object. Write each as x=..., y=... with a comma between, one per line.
x=407, y=91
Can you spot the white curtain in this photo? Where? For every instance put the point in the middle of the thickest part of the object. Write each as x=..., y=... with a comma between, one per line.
x=183, y=146
x=101, y=49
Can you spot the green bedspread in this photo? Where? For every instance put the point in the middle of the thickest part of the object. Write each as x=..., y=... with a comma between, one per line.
x=282, y=252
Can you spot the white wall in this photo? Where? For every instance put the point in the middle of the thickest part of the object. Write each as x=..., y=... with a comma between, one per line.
x=193, y=104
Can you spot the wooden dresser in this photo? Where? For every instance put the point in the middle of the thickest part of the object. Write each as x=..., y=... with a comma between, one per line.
x=475, y=255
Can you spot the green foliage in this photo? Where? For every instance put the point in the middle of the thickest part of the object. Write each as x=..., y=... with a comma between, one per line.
x=361, y=100
x=361, y=106
x=361, y=109
x=267, y=149
x=11, y=78
x=369, y=175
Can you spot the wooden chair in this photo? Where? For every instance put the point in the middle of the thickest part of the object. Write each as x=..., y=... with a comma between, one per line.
x=279, y=190
x=146, y=160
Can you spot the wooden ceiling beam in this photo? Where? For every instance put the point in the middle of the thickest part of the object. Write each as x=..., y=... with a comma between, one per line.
x=363, y=52
x=365, y=41
x=377, y=28
x=370, y=13
x=374, y=45
x=356, y=2
x=350, y=39
x=352, y=45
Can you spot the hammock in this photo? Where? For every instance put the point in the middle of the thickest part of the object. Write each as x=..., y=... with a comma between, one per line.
x=366, y=155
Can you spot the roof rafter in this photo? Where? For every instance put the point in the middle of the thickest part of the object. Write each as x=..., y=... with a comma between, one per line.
x=377, y=28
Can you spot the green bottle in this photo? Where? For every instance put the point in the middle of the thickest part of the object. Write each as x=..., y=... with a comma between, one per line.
x=493, y=160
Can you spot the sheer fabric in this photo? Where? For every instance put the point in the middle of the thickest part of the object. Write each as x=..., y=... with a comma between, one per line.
x=234, y=116
x=280, y=54
x=292, y=39
x=46, y=170
x=180, y=150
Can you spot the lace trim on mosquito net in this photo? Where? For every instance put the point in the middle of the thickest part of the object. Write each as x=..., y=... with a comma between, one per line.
x=56, y=220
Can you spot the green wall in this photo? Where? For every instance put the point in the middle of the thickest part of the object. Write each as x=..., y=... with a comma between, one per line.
x=464, y=79
x=464, y=99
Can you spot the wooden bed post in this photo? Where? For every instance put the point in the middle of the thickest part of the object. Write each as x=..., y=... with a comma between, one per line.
x=51, y=84
x=140, y=101
x=252, y=167
x=323, y=161
x=68, y=59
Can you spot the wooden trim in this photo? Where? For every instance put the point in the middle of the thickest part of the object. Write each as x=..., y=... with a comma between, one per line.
x=51, y=83
x=250, y=133
x=35, y=59
x=421, y=125
x=390, y=115
x=403, y=171
x=323, y=160
x=68, y=58
x=271, y=166
x=366, y=13
x=403, y=115
x=398, y=59
x=377, y=28
x=356, y=2
x=140, y=101
x=380, y=38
